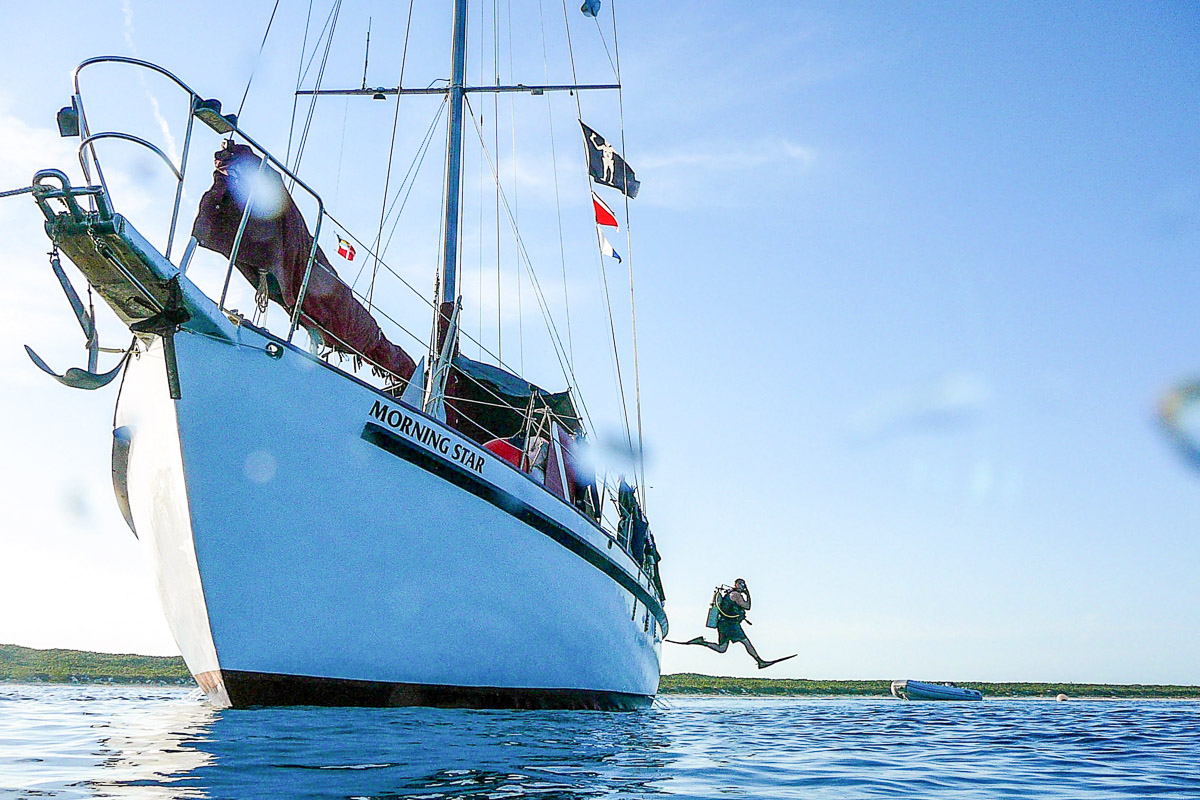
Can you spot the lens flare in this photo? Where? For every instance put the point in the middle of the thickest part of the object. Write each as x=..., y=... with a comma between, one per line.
x=262, y=188
x=1179, y=414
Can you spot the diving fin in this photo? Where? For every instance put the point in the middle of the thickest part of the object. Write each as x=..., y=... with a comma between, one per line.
x=773, y=662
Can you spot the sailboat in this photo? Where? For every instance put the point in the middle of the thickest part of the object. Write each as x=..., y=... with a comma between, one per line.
x=338, y=523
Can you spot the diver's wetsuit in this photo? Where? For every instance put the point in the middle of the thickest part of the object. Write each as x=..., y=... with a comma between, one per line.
x=729, y=620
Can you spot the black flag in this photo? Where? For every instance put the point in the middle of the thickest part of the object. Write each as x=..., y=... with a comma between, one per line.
x=606, y=165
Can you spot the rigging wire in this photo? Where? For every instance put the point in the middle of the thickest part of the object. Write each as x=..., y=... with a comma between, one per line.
x=637, y=380
x=562, y=250
x=302, y=73
x=565, y=356
x=367, y=56
x=502, y=403
x=259, y=313
x=367, y=249
x=313, y=56
x=479, y=270
x=479, y=250
x=496, y=147
x=299, y=73
x=604, y=42
x=257, y=59
x=512, y=115
x=414, y=168
x=331, y=24
x=584, y=417
x=348, y=349
x=391, y=147
x=616, y=355
x=555, y=338
x=416, y=292
x=337, y=183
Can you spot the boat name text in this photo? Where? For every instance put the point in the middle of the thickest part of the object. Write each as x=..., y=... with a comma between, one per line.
x=426, y=435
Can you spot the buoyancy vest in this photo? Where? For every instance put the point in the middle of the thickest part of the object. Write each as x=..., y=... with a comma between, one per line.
x=729, y=609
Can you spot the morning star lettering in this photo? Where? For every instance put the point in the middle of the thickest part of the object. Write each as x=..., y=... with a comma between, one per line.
x=426, y=435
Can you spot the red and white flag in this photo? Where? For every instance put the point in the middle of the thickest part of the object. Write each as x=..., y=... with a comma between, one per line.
x=604, y=214
x=345, y=249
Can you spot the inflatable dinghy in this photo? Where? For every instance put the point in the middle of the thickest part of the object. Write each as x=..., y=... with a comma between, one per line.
x=917, y=690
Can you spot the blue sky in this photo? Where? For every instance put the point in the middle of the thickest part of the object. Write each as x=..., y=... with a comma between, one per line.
x=912, y=280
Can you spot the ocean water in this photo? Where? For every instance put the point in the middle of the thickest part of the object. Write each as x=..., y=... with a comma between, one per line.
x=139, y=742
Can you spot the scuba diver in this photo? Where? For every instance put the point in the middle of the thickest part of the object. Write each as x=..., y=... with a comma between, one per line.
x=731, y=606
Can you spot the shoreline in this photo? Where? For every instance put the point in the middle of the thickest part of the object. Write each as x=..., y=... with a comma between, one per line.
x=27, y=665
x=1048, y=698
x=694, y=684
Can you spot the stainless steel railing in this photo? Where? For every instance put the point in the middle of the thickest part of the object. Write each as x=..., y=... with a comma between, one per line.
x=208, y=111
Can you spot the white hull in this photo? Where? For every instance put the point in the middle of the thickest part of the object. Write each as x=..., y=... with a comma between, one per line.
x=306, y=556
x=316, y=541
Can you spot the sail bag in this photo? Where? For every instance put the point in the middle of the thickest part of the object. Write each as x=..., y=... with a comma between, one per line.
x=274, y=251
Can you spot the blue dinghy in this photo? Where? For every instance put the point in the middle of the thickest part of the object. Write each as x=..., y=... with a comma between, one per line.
x=917, y=690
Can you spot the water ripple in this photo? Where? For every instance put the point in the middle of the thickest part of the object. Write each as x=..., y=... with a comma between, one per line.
x=133, y=742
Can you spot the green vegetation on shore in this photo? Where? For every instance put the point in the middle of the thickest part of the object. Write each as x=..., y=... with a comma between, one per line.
x=25, y=665
x=691, y=683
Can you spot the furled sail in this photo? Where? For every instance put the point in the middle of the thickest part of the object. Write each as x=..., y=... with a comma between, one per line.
x=274, y=252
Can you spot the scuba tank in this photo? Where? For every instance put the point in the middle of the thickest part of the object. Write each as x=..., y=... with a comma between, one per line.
x=713, y=612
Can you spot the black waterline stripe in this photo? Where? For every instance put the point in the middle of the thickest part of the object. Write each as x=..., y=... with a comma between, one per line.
x=246, y=689
x=395, y=444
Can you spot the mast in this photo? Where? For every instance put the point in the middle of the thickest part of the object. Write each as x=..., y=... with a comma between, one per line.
x=445, y=333
x=449, y=275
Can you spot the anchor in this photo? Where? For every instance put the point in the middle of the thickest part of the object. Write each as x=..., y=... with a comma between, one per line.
x=75, y=377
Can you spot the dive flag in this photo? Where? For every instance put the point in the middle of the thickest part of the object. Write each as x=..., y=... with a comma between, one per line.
x=345, y=249
x=604, y=214
x=605, y=164
x=605, y=247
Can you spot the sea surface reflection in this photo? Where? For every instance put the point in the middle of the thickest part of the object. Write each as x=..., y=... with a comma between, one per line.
x=134, y=742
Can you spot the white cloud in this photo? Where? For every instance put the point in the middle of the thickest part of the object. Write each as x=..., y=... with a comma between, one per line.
x=65, y=546
x=951, y=402
x=33, y=313
x=780, y=152
x=36, y=312
x=721, y=173
x=172, y=150
x=25, y=149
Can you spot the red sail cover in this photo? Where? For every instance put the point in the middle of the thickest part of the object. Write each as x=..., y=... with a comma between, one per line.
x=276, y=244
